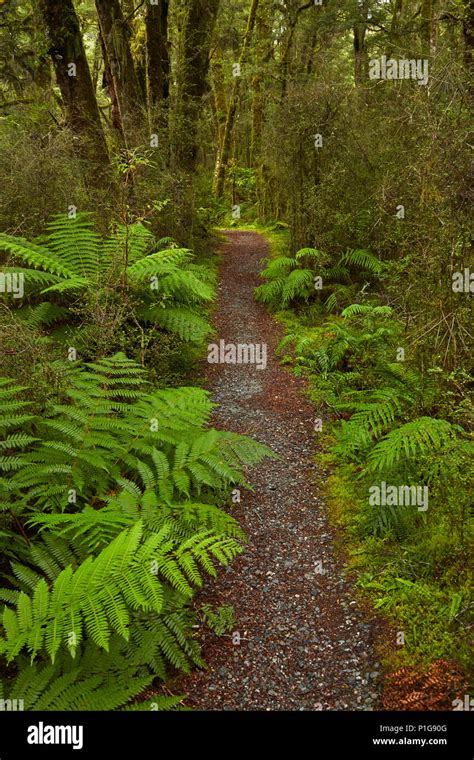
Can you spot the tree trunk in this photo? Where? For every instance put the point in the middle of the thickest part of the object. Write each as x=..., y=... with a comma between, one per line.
x=468, y=34
x=395, y=27
x=396, y=16
x=96, y=62
x=426, y=23
x=117, y=45
x=74, y=78
x=132, y=23
x=291, y=24
x=198, y=27
x=128, y=6
x=224, y=156
x=310, y=54
x=43, y=77
x=109, y=86
x=360, y=51
x=158, y=60
x=263, y=49
x=220, y=98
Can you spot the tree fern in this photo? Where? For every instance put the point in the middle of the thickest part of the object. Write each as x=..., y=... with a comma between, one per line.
x=43, y=315
x=288, y=280
x=299, y=284
x=361, y=309
x=112, y=434
x=369, y=419
x=293, y=278
x=108, y=576
x=75, y=243
x=187, y=324
x=72, y=258
x=312, y=254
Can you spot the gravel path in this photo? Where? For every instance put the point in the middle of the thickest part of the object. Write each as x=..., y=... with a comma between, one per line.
x=304, y=643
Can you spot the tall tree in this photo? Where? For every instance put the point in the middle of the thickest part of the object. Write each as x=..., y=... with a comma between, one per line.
x=115, y=34
x=396, y=20
x=360, y=50
x=263, y=51
x=199, y=18
x=292, y=16
x=427, y=30
x=73, y=77
x=158, y=59
x=220, y=97
x=108, y=85
x=223, y=155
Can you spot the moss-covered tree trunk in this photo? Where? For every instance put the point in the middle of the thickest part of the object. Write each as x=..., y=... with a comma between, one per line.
x=198, y=22
x=116, y=38
x=359, y=39
x=109, y=86
x=74, y=78
x=263, y=54
x=426, y=13
x=157, y=48
x=218, y=88
x=468, y=34
x=223, y=155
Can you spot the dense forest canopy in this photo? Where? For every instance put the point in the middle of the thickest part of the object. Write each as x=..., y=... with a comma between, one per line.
x=131, y=131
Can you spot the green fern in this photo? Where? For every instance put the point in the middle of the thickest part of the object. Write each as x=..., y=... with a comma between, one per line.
x=72, y=258
x=112, y=435
x=360, y=309
x=96, y=599
x=112, y=572
x=95, y=681
x=364, y=260
x=288, y=279
x=408, y=442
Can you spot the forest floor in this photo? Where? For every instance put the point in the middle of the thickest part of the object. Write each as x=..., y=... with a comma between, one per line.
x=305, y=643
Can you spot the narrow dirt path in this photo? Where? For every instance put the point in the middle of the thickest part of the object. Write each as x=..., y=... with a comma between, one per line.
x=304, y=645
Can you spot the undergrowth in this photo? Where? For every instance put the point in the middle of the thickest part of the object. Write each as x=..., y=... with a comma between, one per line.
x=384, y=419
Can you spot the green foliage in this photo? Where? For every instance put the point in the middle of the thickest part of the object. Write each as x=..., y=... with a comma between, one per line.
x=102, y=681
x=293, y=279
x=410, y=441
x=382, y=423
x=104, y=592
x=364, y=260
x=220, y=620
x=72, y=259
x=113, y=541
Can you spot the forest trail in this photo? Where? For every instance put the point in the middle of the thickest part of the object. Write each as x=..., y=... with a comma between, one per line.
x=305, y=643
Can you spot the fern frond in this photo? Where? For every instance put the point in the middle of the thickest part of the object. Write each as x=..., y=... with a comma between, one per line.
x=363, y=259
x=407, y=442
